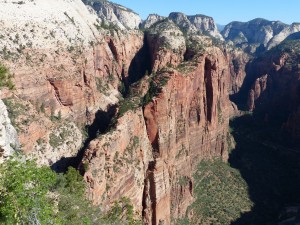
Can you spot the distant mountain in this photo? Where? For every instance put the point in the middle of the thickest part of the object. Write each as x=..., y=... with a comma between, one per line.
x=258, y=34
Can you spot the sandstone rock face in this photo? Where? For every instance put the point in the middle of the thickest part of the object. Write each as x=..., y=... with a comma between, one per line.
x=116, y=14
x=64, y=65
x=257, y=90
x=205, y=24
x=186, y=122
x=8, y=135
x=47, y=141
x=117, y=162
x=238, y=60
x=183, y=22
x=58, y=142
x=197, y=24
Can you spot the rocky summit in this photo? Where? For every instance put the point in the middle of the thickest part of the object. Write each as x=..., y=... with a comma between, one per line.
x=165, y=120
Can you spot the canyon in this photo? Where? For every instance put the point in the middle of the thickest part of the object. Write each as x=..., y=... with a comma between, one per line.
x=136, y=105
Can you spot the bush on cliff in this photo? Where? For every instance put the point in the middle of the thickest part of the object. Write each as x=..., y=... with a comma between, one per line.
x=24, y=190
x=5, y=78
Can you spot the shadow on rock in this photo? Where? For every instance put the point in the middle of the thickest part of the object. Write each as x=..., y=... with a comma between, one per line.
x=100, y=125
x=270, y=165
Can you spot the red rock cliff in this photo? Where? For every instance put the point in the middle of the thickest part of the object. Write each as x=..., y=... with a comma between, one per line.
x=186, y=122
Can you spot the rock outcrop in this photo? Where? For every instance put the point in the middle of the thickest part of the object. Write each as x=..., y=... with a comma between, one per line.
x=197, y=24
x=286, y=32
x=151, y=19
x=8, y=135
x=112, y=13
x=206, y=25
x=116, y=162
x=167, y=45
x=185, y=124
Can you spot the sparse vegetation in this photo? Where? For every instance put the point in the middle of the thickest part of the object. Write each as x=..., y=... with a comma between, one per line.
x=156, y=82
x=15, y=110
x=122, y=212
x=107, y=26
x=58, y=137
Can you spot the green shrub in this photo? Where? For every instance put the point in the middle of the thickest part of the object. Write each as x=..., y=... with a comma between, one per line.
x=125, y=106
x=5, y=78
x=23, y=190
x=121, y=213
x=36, y=195
x=157, y=81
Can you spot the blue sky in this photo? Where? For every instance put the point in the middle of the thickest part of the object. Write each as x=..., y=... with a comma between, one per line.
x=222, y=11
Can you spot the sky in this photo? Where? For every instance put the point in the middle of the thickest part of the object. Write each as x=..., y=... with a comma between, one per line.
x=224, y=12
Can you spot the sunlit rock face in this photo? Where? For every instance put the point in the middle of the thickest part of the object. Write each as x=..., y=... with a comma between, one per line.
x=115, y=14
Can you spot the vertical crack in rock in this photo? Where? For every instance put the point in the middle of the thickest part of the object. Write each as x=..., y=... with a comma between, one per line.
x=152, y=128
x=209, y=89
x=113, y=49
x=195, y=109
x=149, y=196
